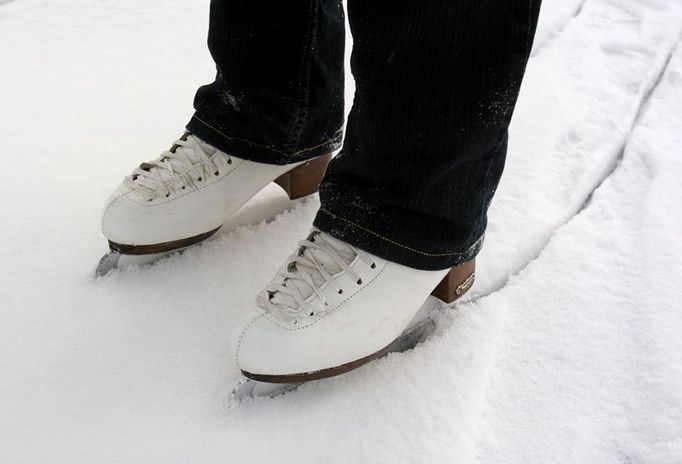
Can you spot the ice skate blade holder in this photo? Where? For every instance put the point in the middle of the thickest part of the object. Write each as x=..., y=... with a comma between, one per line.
x=457, y=282
x=305, y=179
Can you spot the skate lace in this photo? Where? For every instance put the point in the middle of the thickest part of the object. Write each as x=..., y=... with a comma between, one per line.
x=314, y=264
x=187, y=155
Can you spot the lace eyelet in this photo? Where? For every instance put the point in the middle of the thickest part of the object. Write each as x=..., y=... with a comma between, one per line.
x=311, y=314
x=168, y=194
x=183, y=187
x=374, y=265
x=200, y=179
x=149, y=200
x=340, y=292
x=229, y=160
x=217, y=173
x=359, y=282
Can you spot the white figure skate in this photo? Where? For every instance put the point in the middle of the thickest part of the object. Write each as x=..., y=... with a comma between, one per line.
x=185, y=195
x=333, y=308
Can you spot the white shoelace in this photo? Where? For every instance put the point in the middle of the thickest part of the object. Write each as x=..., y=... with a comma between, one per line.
x=188, y=154
x=316, y=261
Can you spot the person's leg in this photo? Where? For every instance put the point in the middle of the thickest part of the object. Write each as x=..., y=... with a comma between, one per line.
x=437, y=81
x=278, y=93
x=436, y=85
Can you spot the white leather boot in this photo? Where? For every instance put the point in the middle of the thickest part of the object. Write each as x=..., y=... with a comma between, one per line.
x=186, y=194
x=333, y=308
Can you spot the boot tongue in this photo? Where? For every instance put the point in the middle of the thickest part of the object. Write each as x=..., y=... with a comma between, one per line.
x=194, y=157
x=209, y=149
x=323, y=259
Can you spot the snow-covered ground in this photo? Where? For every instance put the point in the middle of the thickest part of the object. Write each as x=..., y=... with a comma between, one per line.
x=567, y=351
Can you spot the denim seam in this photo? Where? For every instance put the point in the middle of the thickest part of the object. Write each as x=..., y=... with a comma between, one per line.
x=334, y=139
x=454, y=253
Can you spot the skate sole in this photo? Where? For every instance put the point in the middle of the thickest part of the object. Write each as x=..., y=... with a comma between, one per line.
x=404, y=342
x=160, y=247
x=317, y=375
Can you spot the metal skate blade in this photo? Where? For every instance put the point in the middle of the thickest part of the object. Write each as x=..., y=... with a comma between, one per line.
x=115, y=260
x=413, y=335
x=248, y=388
x=108, y=262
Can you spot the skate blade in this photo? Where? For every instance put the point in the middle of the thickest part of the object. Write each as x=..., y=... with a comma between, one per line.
x=114, y=260
x=248, y=388
x=421, y=328
x=413, y=335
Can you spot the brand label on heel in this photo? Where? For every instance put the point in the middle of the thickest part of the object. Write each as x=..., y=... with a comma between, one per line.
x=466, y=285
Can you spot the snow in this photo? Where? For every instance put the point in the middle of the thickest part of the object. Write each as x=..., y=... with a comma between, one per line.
x=567, y=350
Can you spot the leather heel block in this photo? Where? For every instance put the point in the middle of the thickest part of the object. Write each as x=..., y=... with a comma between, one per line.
x=305, y=179
x=456, y=283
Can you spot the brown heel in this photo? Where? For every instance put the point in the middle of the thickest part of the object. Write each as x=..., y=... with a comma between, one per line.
x=456, y=283
x=305, y=179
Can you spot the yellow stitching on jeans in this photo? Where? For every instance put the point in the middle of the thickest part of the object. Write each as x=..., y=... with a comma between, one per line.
x=335, y=138
x=475, y=244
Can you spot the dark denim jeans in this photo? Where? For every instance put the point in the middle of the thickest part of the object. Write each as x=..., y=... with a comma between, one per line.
x=436, y=86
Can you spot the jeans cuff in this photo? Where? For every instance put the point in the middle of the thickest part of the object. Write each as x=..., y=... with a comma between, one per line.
x=354, y=232
x=259, y=152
